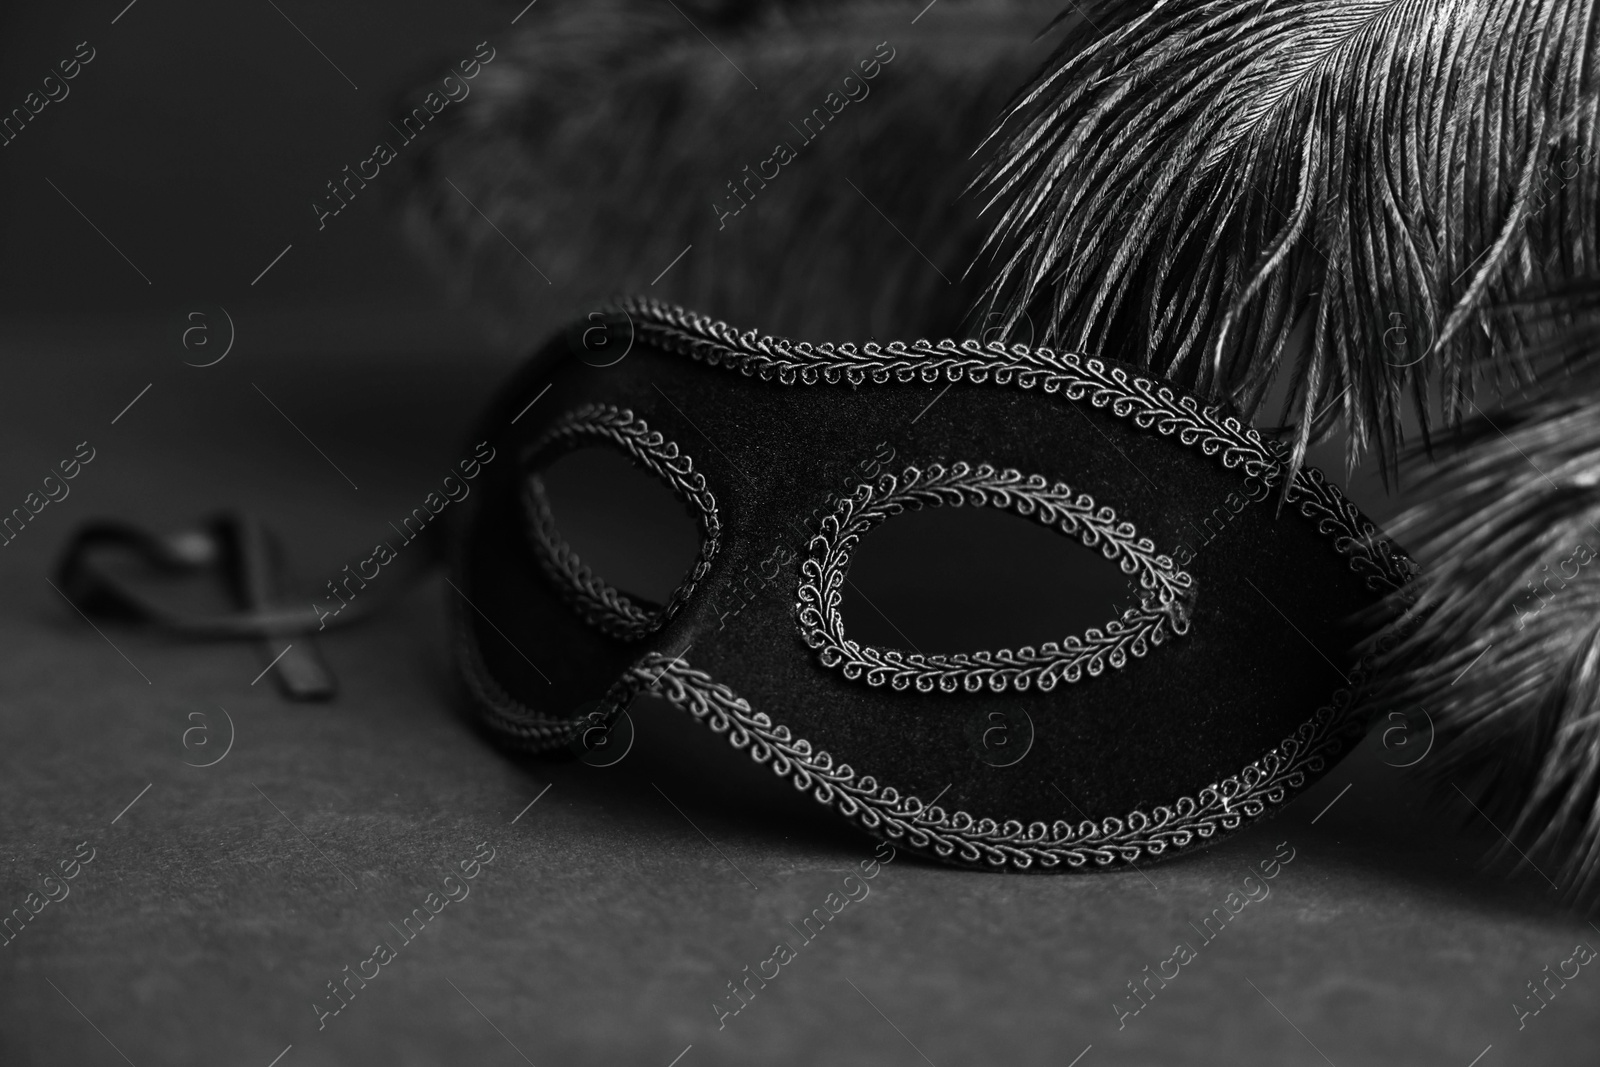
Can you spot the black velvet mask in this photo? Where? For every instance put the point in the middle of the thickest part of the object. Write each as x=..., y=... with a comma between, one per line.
x=1226, y=689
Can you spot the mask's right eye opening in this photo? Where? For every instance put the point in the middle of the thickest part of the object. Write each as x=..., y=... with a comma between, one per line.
x=951, y=580
x=1166, y=593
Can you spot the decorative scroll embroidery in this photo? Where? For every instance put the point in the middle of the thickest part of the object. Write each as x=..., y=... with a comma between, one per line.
x=1149, y=404
x=957, y=836
x=601, y=605
x=1165, y=591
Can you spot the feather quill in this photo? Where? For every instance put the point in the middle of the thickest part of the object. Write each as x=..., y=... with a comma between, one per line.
x=1189, y=180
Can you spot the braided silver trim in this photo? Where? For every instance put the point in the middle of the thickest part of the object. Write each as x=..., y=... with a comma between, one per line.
x=1150, y=405
x=1165, y=591
x=601, y=605
x=958, y=837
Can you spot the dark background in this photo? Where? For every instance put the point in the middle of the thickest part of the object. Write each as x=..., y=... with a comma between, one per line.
x=197, y=140
x=209, y=921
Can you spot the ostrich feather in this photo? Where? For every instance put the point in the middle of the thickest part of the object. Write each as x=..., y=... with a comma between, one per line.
x=1501, y=645
x=1190, y=180
x=598, y=141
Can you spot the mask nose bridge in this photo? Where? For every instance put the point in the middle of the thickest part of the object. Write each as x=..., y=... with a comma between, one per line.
x=774, y=456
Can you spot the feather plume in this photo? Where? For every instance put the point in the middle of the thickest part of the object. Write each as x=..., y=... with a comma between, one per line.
x=1501, y=645
x=1189, y=181
x=601, y=136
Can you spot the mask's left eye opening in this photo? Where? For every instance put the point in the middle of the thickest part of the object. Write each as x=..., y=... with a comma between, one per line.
x=614, y=538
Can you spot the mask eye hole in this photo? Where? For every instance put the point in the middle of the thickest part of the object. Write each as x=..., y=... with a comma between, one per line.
x=610, y=511
x=955, y=579
x=1165, y=593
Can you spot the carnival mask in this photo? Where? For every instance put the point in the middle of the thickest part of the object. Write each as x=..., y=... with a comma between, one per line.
x=1225, y=690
